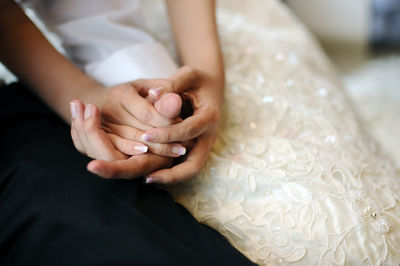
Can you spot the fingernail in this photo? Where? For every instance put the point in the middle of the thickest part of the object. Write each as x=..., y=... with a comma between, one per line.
x=88, y=111
x=156, y=92
x=141, y=148
x=148, y=137
x=178, y=150
x=74, y=110
x=152, y=180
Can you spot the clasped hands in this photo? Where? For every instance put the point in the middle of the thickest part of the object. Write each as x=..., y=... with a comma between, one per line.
x=135, y=129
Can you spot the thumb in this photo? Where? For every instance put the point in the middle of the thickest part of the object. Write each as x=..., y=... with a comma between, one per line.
x=184, y=79
x=169, y=105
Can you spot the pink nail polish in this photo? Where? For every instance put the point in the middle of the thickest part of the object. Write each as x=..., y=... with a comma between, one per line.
x=156, y=92
x=148, y=137
x=178, y=150
x=74, y=110
x=152, y=180
x=88, y=111
x=141, y=148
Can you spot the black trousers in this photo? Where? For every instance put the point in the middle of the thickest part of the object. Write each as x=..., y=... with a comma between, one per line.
x=54, y=212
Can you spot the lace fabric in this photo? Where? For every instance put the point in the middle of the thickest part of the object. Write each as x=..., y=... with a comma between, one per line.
x=292, y=178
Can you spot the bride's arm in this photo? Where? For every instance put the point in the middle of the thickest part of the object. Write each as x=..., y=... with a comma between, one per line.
x=195, y=30
x=27, y=53
x=194, y=26
x=56, y=80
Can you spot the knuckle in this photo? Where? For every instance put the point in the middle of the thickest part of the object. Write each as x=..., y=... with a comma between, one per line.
x=213, y=114
x=120, y=91
x=168, y=85
x=125, y=132
x=169, y=137
x=169, y=178
x=163, y=122
x=126, y=87
x=123, y=145
x=129, y=88
x=216, y=115
x=189, y=71
x=89, y=127
x=145, y=115
x=196, y=169
x=197, y=166
x=136, y=135
x=116, y=92
x=77, y=125
x=163, y=149
x=131, y=133
x=191, y=132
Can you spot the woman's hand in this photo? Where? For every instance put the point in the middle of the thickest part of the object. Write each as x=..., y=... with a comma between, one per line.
x=205, y=94
x=91, y=140
x=125, y=114
x=205, y=98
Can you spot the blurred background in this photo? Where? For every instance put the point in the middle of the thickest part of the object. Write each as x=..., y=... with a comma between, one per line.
x=362, y=38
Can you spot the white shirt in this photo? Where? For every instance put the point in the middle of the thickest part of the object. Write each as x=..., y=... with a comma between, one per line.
x=106, y=38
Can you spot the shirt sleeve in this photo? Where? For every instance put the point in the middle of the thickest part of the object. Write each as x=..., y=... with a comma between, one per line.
x=106, y=39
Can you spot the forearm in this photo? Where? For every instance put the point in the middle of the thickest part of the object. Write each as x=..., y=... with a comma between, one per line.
x=27, y=53
x=194, y=26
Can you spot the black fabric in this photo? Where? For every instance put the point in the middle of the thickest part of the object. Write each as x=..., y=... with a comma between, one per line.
x=54, y=212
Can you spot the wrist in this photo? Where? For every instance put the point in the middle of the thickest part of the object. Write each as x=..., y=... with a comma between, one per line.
x=213, y=71
x=85, y=92
x=214, y=82
x=94, y=94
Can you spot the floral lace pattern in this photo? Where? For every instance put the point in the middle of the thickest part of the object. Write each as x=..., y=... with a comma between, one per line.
x=291, y=178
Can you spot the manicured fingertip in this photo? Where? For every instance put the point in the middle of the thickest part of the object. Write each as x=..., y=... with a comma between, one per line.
x=89, y=110
x=156, y=92
x=74, y=109
x=152, y=180
x=148, y=137
x=141, y=148
x=178, y=150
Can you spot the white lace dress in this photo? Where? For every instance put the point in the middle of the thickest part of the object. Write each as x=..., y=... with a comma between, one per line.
x=292, y=179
